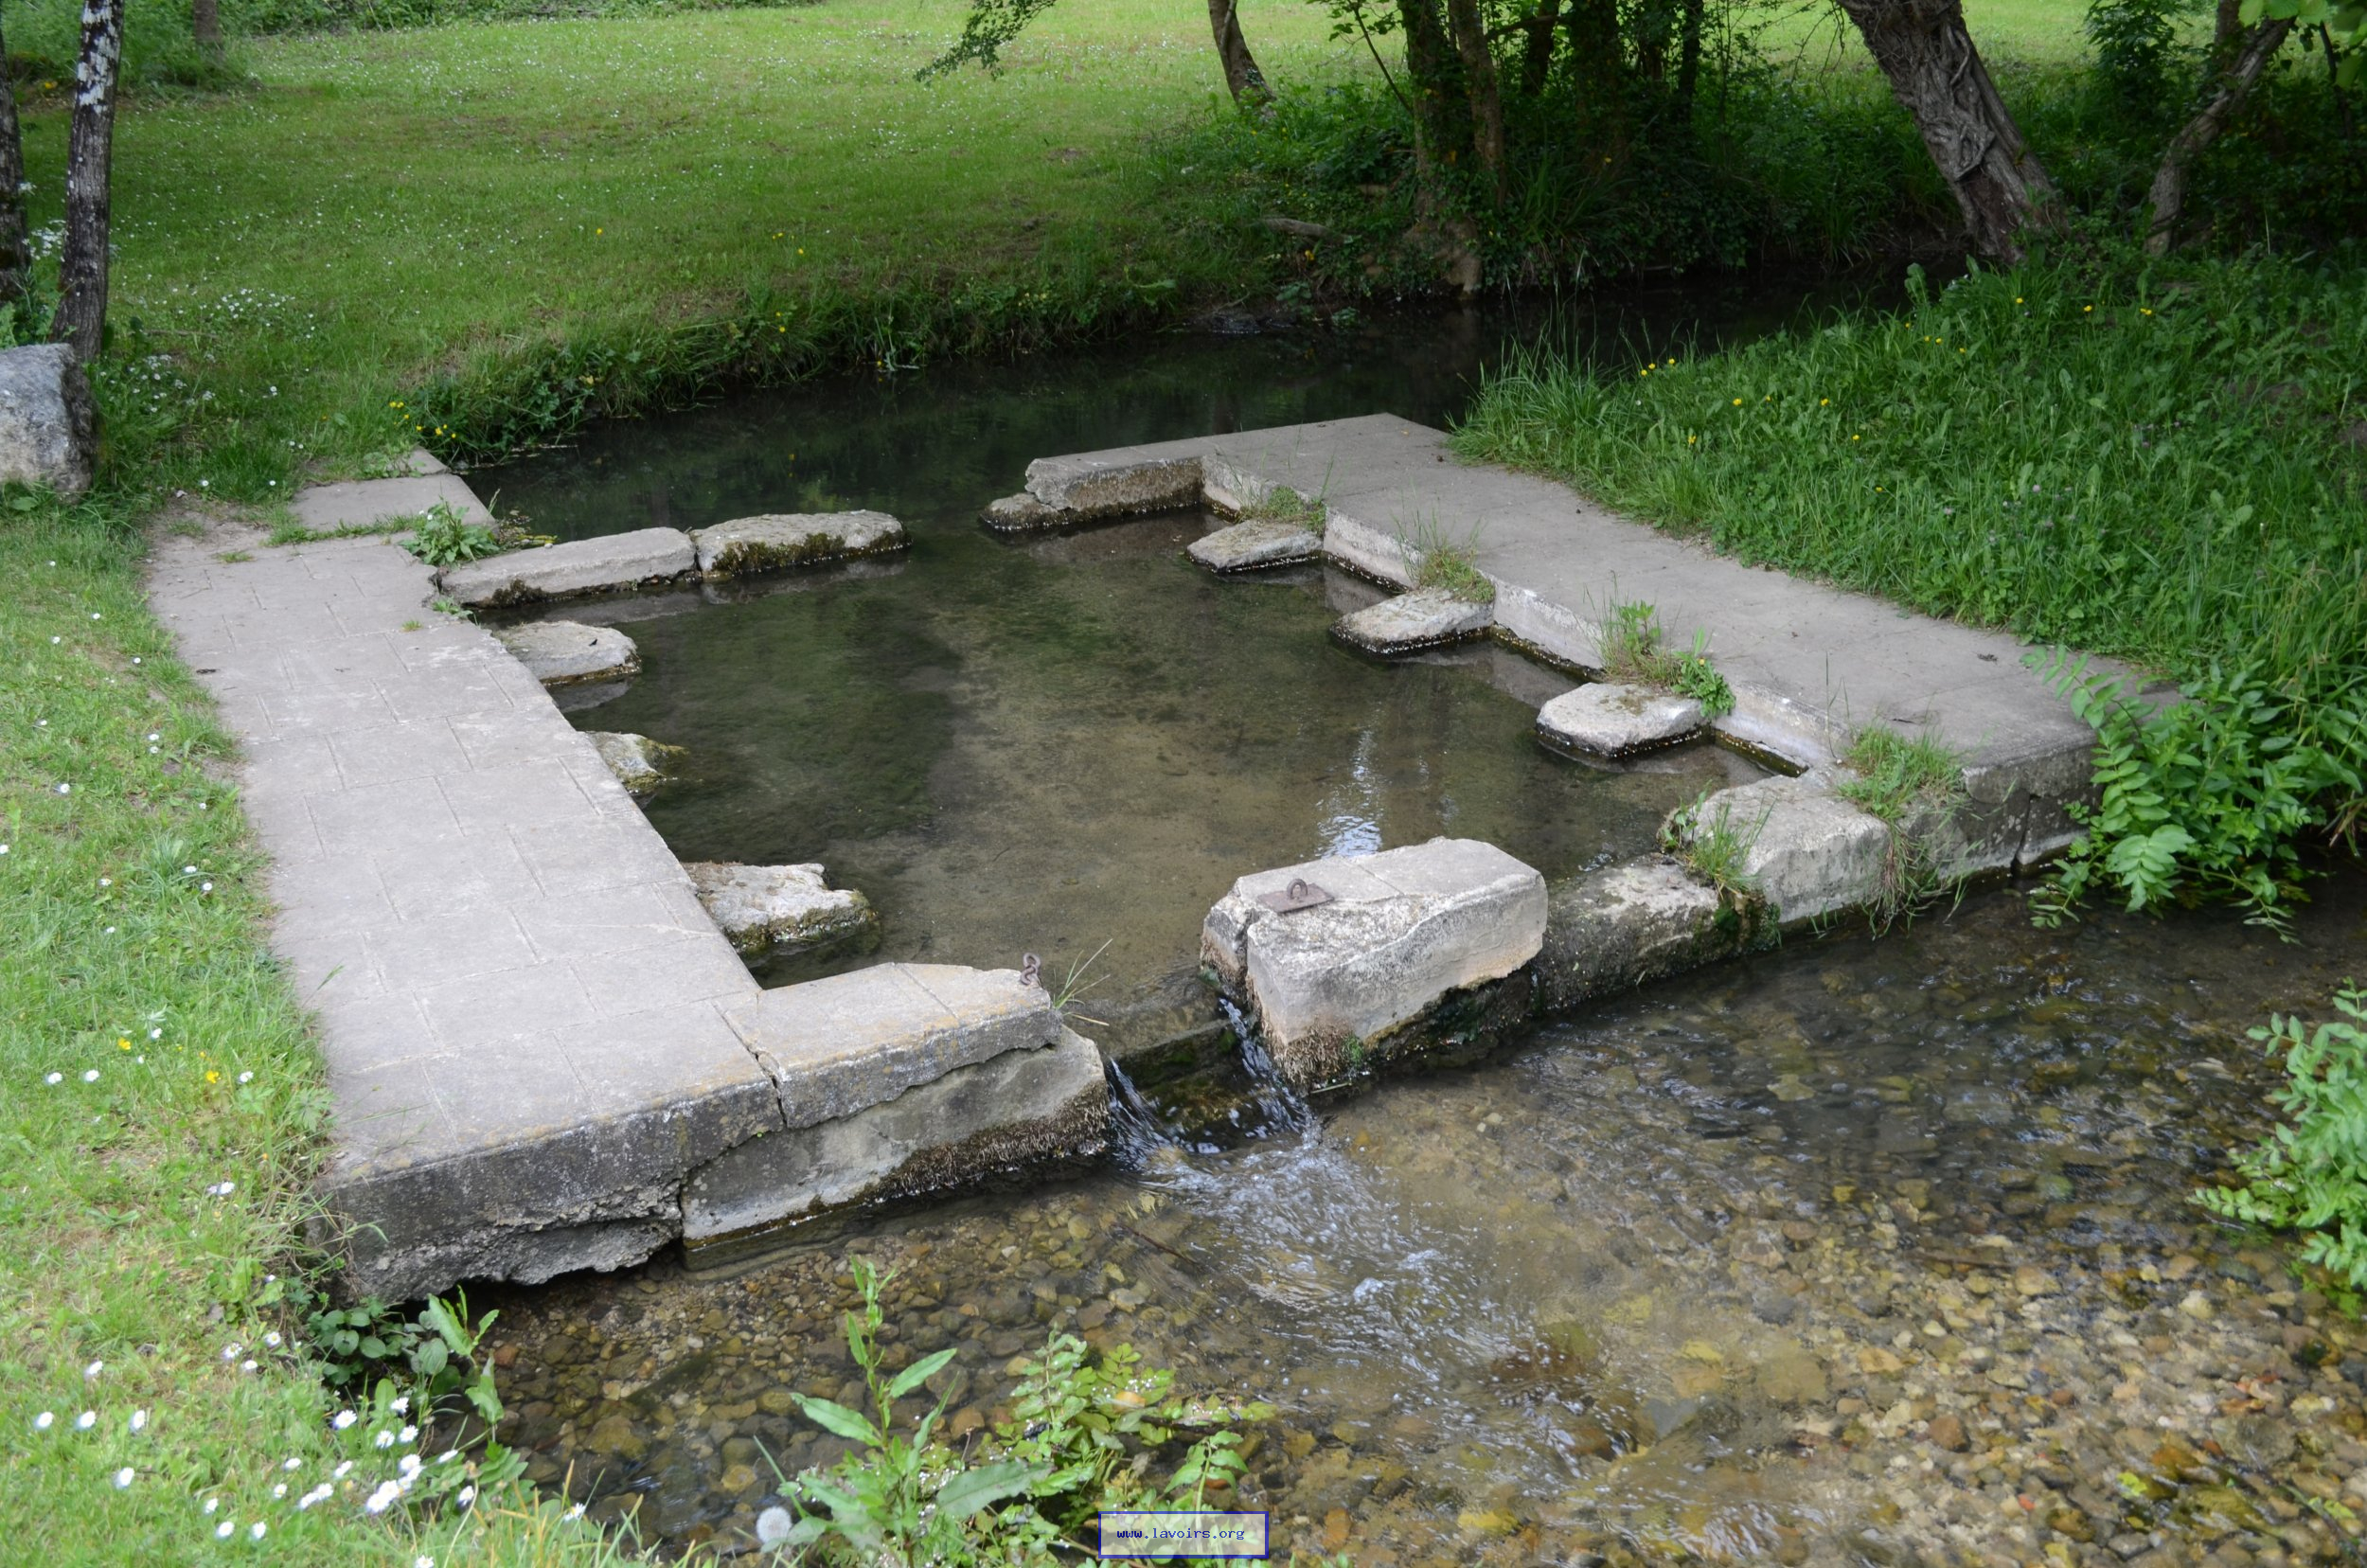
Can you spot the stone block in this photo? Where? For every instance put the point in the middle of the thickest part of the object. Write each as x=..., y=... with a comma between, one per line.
x=1608, y=720
x=1427, y=617
x=638, y=762
x=611, y=563
x=774, y=541
x=48, y=426
x=557, y=652
x=1616, y=928
x=1368, y=550
x=1401, y=931
x=1018, y=513
x=1080, y=489
x=778, y=907
x=1812, y=853
x=1246, y=546
x=1042, y=1102
x=837, y=1045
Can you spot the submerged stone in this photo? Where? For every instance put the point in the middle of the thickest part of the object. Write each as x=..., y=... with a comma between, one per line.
x=1083, y=487
x=1017, y=513
x=761, y=907
x=1426, y=617
x=561, y=652
x=1331, y=983
x=48, y=426
x=637, y=761
x=1616, y=928
x=1246, y=546
x=776, y=541
x=1613, y=720
x=605, y=565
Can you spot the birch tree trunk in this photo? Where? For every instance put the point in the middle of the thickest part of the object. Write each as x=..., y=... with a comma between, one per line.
x=1242, y=78
x=2166, y=201
x=82, y=317
x=16, y=257
x=1938, y=77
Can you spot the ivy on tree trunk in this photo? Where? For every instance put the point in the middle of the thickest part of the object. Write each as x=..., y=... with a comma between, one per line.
x=81, y=316
x=1938, y=77
x=16, y=257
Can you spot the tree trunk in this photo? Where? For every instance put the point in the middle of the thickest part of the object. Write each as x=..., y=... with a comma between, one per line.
x=16, y=257
x=1537, y=63
x=1480, y=86
x=1595, y=66
x=1442, y=128
x=2227, y=39
x=1938, y=77
x=2167, y=199
x=81, y=316
x=1242, y=78
x=206, y=24
x=1688, y=56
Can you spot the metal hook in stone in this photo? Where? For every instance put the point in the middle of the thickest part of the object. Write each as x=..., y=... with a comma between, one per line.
x=1030, y=970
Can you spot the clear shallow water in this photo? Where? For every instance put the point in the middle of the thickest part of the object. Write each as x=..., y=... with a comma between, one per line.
x=1695, y=1272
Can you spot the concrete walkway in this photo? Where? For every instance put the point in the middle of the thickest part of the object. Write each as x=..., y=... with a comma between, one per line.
x=1809, y=664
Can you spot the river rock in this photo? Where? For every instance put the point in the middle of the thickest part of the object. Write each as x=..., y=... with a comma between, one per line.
x=1078, y=489
x=48, y=426
x=1608, y=720
x=770, y=542
x=1811, y=853
x=560, y=652
x=1246, y=546
x=1614, y=929
x=611, y=563
x=1332, y=984
x=1426, y=617
x=1018, y=513
x=637, y=761
x=761, y=907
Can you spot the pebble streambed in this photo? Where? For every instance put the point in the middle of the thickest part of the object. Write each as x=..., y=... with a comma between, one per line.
x=1854, y=1252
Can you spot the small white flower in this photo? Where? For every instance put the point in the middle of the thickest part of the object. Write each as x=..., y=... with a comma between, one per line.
x=97, y=1366
x=139, y=1420
x=385, y=1439
x=222, y=1189
x=205, y=887
x=280, y=1490
x=91, y=1075
x=247, y=1366
x=255, y=1530
x=380, y=1500
x=292, y=1463
x=410, y=1464
x=186, y=870
x=773, y=1527
x=230, y=1353
x=340, y=1471
x=318, y=1495
x=136, y=659
x=575, y=1512
x=345, y=1419
x=65, y=789
x=448, y=1457
x=225, y=1530
x=465, y=1496
x=155, y=735
x=402, y=1406
x=272, y=1339
x=212, y=1503
x=86, y=1420
x=243, y=1078
x=423, y=1561
x=408, y=1434
x=44, y=1421
x=155, y=1034
x=123, y=1477
x=106, y=881
x=55, y=1077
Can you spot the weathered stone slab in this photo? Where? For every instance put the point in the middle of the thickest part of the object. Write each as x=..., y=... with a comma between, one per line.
x=1427, y=617
x=1608, y=720
x=1018, y=513
x=557, y=652
x=1013, y=1110
x=1080, y=488
x=1246, y=546
x=48, y=426
x=838, y=1045
x=605, y=565
x=638, y=762
x=1812, y=853
x=761, y=907
x=1402, y=930
x=1614, y=929
x=776, y=541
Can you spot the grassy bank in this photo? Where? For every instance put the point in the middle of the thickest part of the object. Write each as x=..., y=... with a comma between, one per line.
x=2162, y=463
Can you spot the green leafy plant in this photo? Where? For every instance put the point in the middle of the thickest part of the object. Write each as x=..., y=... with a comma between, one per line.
x=2201, y=799
x=1631, y=651
x=2310, y=1175
x=1281, y=504
x=1081, y=1436
x=1714, y=845
x=444, y=537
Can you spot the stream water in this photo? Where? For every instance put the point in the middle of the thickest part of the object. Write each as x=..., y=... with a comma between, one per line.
x=1848, y=1252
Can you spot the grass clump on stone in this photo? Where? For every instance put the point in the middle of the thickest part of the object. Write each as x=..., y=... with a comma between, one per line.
x=1915, y=783
x=1715, y=846
x=1451, y=566
x=1631, y=651
x=1281, y=504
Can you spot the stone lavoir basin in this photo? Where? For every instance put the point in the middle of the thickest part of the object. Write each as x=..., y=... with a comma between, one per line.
x=1846, y=1252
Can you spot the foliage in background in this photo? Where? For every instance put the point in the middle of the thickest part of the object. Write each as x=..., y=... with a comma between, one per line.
x=2311, y=1174
x=1081, y=1438
x=2160, y=463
